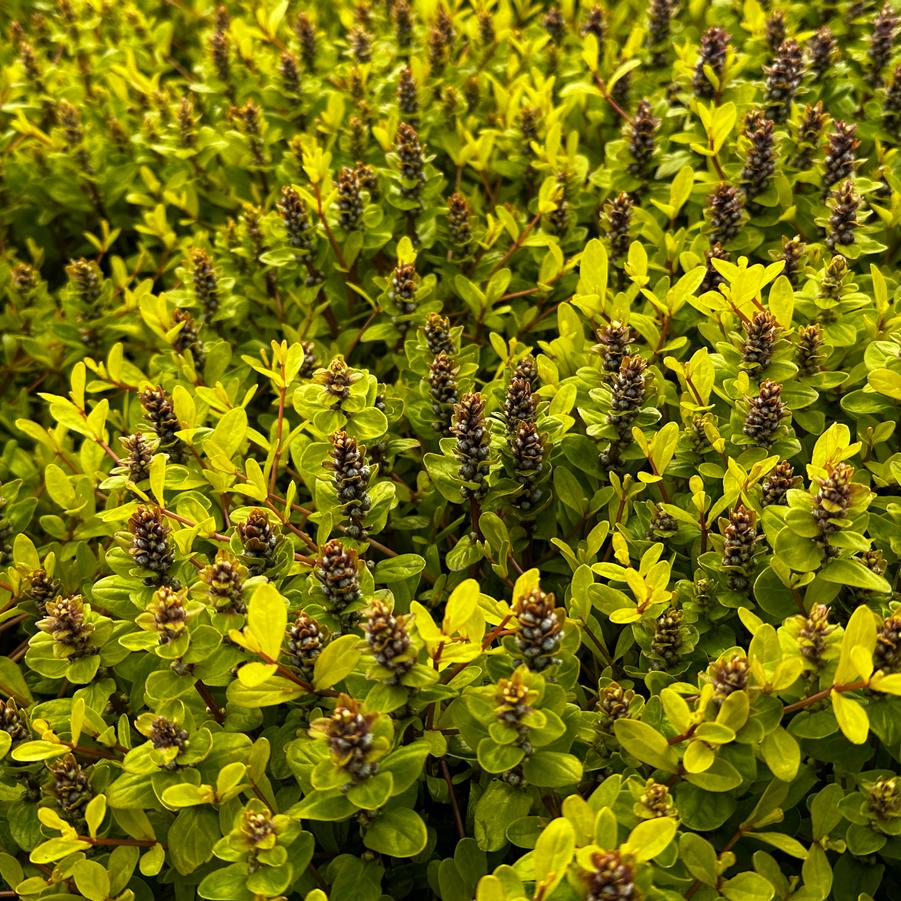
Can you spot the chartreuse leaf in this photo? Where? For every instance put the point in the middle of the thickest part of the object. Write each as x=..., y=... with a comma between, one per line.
x=336, y=661
x=397, y=832
x=553, y=853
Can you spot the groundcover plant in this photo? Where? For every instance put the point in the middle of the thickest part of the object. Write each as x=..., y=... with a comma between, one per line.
x=450, y=450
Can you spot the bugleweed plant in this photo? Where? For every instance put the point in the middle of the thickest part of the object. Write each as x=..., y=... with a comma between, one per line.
x=449, y=450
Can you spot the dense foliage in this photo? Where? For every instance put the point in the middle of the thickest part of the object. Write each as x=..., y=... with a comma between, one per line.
x=450, y=450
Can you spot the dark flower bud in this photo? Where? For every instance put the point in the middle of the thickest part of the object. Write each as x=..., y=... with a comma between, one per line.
x=761, y=335
x=161, y=415
x=822, y=51
x=528, y=128
x=166, y=734
x=835, y=277
x=288, y=70
x=810, y=130
x=628, y=394
x=612, y=879
x=409, y=154
x=388, y=640
x=843, y=222
x=616, y=220
x=486, y=28
x=296, y=219
x=169, y=614
x=613, y=344
x=65, y=623
x=839, y=161
x=738, y=548
x=882, y=41
x=70, y=119
x=443, y=389
x=714, y=46
x=725, y=211
x=259, y=541
x=206, y=283
x=350, y=203
x=86, y=283
x=813, y=634
x=14, y=722
x=473, y=444
x=558, y=220
x=310, y=360
x=596, y=23
x=256, y=827
x=407, y=97
x=555, y=25
x=655, y=801
x=539, y=629
x=361, y=44
x=760, y=158
x=775, y=30
x=729, y=676
x=642, y=134
x=526, y=368
x=660, y=14
x=662, y=524
x=765, y=414
x=712, y=278
x=403, y=24
x=783, y=78
x=337, y=570
x=527, y=452
x=458, y=221
x=891, y=108
x=404, y=283
x=188, y=337
x=810, y=349
x=306, y=35
x=437, y=334
x=519, y=404
x=139, y=451
x=666, y=644
x=793, y=252
x=777, y=483
x=887, y=654
x=304, y=643
x=41, y=589
x=336, y=380
x=187, y=123
x=831, y=503
x=613, y=702
x=70, y=788
x=348, y=733
x=350, y=474
x=224, y=579
x=883, y=803
x=219, y=50
x=150, y=545
x=25, y=279
x=437, y=47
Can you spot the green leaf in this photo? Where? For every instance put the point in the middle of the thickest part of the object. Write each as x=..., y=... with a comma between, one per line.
x=337, y=660
x=651, y=837
x=784, y=843
x=396, y=569
x=267, y=618
x=854, y=574
x=398, y=832
x=699, y=857
x=553, y=854
x=851, y=717
x=191, y=838
x=647, y=744
x=782, y=754
x=552, y=769
x=92, y=880
x=748, y=887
